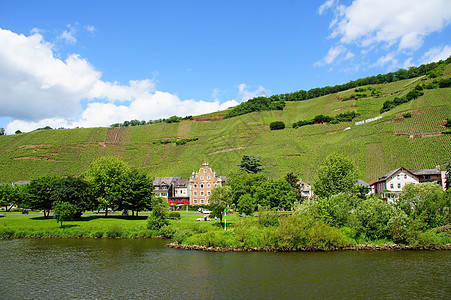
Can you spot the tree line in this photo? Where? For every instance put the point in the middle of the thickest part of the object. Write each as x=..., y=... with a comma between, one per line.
x=108, y=184
x=173, y=119
x=277, y=102
x=421, y=214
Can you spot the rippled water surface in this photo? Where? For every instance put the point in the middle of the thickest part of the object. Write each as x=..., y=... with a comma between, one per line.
x=146, y=269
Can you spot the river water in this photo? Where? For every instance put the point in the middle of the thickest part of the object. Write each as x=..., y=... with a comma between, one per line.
x=146, y=269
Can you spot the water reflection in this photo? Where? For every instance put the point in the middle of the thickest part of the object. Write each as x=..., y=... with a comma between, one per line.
x=145, y=269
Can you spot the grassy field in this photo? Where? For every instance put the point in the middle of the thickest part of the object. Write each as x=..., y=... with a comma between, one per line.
x=89, y=226
x=376, y=147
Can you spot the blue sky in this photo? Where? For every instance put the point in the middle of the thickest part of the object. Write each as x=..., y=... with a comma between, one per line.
x=94, y=63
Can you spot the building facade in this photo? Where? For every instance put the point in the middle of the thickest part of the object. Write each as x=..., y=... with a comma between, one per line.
x=201, y=184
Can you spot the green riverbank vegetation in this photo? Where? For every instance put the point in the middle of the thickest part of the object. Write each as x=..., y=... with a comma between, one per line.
x=251, y=210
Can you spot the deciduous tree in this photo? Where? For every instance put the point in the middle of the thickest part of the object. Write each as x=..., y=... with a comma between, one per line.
x=64, y=211
x=103, y=175
x=337, y=175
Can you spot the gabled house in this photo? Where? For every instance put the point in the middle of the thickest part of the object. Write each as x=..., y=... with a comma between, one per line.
x=201, y=184
x=394, y=181
x=164, y=186
x=181, y=192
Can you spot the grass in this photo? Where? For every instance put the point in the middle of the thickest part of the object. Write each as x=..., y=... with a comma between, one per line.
x=89, y=226
x=373, y=146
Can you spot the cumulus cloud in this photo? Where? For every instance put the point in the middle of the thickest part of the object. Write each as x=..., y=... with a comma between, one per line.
x=436, y=54
x=401, y=24
x=246, y=94
x=39, y=89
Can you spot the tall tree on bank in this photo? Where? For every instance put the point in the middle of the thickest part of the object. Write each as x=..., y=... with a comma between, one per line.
x=77, y=192
x=134, y=192
x=220, y=200
x=337, y=175
x=39, y=193
x=251, y=164
x=103, y=175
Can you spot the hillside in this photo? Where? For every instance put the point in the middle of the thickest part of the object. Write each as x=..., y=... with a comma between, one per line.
x=376, y=147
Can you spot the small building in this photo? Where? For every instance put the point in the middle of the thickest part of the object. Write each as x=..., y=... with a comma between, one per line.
x=181, y=192
x=201, y=184
x=305, y=189
x=392, y=183
x=164, y=186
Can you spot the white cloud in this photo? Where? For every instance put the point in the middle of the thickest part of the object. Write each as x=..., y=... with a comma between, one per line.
x=333, y=53
x=69, y=35
x=41, y=90
x=246, y=94
x=400, y=24
x=325, y=6
x=436, y=54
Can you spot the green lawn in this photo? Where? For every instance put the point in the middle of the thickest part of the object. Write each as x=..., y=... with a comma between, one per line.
x=89, y=225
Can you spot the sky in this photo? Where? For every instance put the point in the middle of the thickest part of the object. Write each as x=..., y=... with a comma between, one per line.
x=94, y=63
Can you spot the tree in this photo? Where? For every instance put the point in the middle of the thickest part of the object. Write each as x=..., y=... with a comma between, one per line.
x=276, y=194
x=11, y=195
x=243, y=183
x=277, y=125
x=448, y=176
x=39, y=192
x=76, y=191
x=159, y=214
x=134, y=192
x=220, y=200
x=337, y=175
x=2, y=131
x=251, y=164
x=425, y=202
x=64, y=211
x=246, y=204
x=293, y=180
x=103, y=175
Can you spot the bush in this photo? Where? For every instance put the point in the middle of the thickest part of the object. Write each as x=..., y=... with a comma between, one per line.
x=407, y=115
x=444, y=83
x=159, y=215
x=174, y=215
x=277, y=125
x=168, y=231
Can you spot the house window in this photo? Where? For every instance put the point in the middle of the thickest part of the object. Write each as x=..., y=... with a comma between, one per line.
x=208, y=177
x=195, y=185
x=201, y=185
x=208, y=185
x=405, y=176
x=399, y=185
x=194, y=193
x=201, y=177
x=216, y=184
x=201, y=193
x=195, y=201
x=208, y=193
x=391, y=185
x=201, y=201
x=205, y=170
x=208, y=201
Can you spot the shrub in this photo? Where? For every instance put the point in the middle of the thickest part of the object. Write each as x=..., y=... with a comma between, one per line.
x=175, y=215
x=159, y=215
x=444, y=83
x=407, y=115
x=277, y=125
x=168, y=231
x=373, y=215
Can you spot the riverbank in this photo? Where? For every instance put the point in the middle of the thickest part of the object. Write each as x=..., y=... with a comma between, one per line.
x=386, y=247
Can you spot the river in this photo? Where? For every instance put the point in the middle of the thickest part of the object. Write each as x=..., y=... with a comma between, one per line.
x=146, y=269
